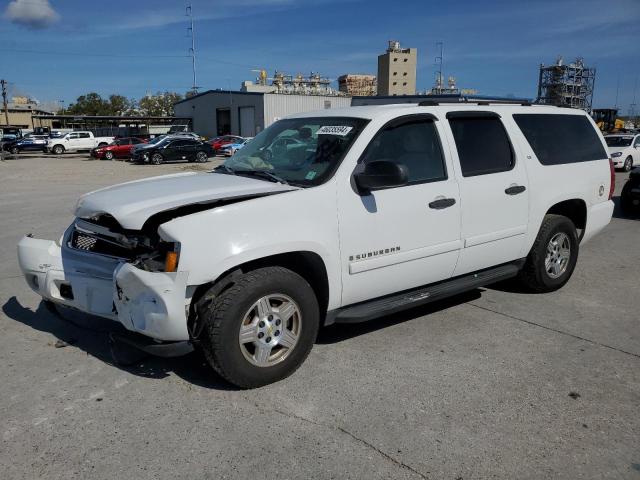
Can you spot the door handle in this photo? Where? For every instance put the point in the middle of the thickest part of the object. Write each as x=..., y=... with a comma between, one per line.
x=441, y=203
x=515, y=189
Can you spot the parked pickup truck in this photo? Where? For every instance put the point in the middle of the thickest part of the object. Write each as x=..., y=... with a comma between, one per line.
x=373, y=210
x=76, y=141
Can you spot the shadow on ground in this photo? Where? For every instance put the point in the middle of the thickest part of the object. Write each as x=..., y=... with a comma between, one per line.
x=92, y=335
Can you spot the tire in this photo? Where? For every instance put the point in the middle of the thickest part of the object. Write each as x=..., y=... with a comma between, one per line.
x=535, y=276
x=628, y=164
x=58, y=149
x=108, y=155
x=102, y=144
x=156, y=159
x=201, y=157
x=15, y=150
x=222, y=317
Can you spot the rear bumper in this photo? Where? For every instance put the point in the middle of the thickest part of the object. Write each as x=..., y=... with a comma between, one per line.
x=151, y=303
x=598, y=217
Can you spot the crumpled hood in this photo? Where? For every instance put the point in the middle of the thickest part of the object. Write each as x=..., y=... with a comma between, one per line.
x=132, y=203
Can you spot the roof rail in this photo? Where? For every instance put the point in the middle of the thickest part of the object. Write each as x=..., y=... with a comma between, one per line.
x=433, y=103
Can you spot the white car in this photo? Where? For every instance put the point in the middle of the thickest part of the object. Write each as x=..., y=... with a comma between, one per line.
x=624, y=150
x=396, y=206
x=76, y=141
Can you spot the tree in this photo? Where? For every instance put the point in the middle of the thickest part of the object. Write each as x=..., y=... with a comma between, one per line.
x=120, y=105
x=158, y=105
x=89, y=104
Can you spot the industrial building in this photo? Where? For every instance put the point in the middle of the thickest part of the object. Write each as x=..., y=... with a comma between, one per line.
x=566, y=85
x=358, y=84
x=19, y=112
x=222, y=112
x=397, y=70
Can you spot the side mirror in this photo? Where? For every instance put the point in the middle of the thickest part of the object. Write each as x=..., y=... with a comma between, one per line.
x=381, y=174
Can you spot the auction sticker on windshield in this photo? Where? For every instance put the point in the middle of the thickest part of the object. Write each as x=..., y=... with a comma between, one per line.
x=341, y=130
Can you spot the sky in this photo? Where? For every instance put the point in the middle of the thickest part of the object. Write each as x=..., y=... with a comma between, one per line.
x=56, y=50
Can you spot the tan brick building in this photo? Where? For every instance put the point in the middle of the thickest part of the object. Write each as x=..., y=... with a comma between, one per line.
x=397, y=70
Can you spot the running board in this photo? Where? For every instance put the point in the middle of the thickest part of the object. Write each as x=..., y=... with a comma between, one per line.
x=379, y=307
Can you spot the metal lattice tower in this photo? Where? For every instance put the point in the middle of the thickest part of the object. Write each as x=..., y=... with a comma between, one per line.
x=566, y=85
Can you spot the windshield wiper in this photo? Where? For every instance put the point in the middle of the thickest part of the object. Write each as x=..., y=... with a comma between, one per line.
x=263, y=173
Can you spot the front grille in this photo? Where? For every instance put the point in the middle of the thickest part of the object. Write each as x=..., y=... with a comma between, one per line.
x=84, y=242
x=95, y=244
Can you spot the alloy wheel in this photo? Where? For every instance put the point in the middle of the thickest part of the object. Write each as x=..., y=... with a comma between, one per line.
x=558, y=255
x=270, y=330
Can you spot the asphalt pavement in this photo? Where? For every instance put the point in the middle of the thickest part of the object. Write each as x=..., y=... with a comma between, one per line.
x=491, y=384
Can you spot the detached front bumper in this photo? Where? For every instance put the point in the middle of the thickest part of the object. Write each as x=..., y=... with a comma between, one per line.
x=151, y=303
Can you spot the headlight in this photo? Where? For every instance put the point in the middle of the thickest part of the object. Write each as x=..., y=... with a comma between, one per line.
x=164, y=258
x=616, y=154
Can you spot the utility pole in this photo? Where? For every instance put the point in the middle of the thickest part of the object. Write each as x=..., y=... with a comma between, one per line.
x=4, y=101
x=192, y=50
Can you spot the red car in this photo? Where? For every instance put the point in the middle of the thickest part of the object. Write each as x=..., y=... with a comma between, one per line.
x=121, y=148
x=219, y=142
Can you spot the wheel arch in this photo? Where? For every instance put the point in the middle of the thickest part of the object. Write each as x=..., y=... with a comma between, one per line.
x=309, y=265
x=575, y=209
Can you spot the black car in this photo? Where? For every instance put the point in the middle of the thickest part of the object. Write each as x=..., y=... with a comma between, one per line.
x=630, y=197
x=171, y=149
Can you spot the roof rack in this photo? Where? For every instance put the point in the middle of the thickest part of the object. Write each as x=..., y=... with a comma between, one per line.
x=434, y=103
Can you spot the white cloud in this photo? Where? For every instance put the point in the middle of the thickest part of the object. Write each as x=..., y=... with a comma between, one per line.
x=31, y=13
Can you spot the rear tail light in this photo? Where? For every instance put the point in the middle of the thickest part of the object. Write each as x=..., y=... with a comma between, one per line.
x=612, y=187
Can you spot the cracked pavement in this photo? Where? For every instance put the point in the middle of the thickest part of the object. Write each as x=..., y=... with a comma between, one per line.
x=490, y=384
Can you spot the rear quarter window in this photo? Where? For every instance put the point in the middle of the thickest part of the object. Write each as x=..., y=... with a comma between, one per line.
x=560, y=139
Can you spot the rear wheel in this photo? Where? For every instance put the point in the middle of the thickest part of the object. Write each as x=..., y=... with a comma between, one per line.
x=102, y=144
x=260, y=329
x=553, y=257
x=156, y=159
x=108, y=155
x=628, y=164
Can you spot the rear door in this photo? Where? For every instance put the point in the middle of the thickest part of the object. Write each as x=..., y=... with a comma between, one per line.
x=493, y=189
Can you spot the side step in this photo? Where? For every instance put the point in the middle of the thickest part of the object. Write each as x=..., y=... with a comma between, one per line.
x=361, y=312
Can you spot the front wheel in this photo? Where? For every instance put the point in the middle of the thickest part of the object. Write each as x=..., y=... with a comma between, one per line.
x=553, y=257
x=261, y=329
x=108, y=155
x=201, y=157
x=628, y=164
x=156, y=159
x=15, y=150
x=58, y=149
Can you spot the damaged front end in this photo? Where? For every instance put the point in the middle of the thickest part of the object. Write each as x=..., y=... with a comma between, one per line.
x=102, y=269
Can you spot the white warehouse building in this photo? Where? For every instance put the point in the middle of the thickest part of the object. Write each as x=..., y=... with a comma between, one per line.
x=222, y=112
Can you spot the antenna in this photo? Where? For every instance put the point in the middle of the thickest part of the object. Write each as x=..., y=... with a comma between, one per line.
x=192, y=50
x=439, y=63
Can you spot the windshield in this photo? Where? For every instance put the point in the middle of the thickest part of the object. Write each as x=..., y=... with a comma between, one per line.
x=155, y=140
x=301, y=151
x=618, y=141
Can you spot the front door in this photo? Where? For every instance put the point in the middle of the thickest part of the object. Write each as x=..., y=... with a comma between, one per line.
x=399, y=238
x=494, y=189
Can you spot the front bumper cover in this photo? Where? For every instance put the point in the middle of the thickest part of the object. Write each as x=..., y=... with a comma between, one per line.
x=151, y=303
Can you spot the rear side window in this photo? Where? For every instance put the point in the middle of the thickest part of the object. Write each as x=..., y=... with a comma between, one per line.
x=483, y=145
x=558, y=139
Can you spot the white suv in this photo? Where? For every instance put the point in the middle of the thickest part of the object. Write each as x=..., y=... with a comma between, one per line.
x=624, y=150
x=374, y=210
